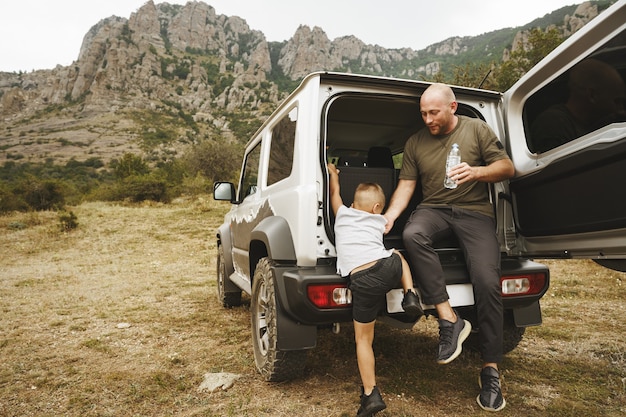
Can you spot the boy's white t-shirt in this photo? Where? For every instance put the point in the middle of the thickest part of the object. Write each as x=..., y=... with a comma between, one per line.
x=358, y=238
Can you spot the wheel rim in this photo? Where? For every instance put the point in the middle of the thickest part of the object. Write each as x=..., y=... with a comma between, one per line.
x=262, y=308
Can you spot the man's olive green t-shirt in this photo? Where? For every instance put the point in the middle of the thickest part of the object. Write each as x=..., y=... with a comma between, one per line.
x=425, y=157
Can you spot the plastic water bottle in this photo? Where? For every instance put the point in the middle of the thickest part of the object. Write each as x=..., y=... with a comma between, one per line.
x=454, y=158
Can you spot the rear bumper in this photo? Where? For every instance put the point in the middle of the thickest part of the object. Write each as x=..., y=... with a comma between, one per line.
x=292, y=283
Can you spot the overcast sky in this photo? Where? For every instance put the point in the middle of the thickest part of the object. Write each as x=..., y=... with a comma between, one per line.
x=40, y=34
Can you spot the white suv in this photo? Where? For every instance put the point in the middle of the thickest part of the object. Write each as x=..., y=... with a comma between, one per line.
x=276, y=242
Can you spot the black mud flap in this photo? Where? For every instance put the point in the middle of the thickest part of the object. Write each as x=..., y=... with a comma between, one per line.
x=528, y=316
x=293, y=335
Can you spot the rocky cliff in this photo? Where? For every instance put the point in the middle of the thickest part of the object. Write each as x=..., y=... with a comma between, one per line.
x=171, y=75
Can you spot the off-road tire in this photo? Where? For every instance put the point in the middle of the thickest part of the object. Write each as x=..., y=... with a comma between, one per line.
x=512, y=334
x=227, y=298
x=272, y=364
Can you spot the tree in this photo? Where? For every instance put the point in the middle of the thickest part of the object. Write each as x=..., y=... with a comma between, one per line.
x=473, y=75
x=539, y=45
x=41, y=194
x=214, y=160
x=130, y=165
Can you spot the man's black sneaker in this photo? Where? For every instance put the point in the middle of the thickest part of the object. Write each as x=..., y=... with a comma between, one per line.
x=411, y=304
x=451, y=338
x=490, y=397
x=370, y=404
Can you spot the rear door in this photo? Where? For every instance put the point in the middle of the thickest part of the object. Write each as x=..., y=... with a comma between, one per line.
x=567, y=137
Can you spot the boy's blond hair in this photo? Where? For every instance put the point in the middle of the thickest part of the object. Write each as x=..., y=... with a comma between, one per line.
x=368, y=194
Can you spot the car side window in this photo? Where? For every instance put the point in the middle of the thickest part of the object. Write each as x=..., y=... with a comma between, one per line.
x=589, y=96
x=282, y=147
x=250, y=173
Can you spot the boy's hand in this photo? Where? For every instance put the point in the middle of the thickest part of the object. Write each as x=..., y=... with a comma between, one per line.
x=333, y=183
x=332, y=169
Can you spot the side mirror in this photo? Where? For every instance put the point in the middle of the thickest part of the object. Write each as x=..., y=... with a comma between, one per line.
x=224, y=191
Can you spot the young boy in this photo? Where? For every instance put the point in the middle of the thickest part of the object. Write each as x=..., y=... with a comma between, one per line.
x=372, y=271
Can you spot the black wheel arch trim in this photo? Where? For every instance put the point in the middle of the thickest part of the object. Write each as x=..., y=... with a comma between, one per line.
x=275, y=234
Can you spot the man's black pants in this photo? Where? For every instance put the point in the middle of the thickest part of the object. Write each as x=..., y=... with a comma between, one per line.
x=477, y=237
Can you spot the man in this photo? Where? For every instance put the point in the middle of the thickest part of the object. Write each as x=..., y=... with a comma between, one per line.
x=465, y=211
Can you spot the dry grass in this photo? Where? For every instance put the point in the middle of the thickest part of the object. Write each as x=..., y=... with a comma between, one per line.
x=63, y=295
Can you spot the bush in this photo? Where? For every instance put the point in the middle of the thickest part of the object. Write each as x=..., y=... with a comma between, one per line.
x=9, y=201
x=68, y=221
x=215, y=160
x=141, y=188
x=135, y=189
x=17, y=225
x=129, y=165
x=196, y=185
x=23, y=186
x=40, y=194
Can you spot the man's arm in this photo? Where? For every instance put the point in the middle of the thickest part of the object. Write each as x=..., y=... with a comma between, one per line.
x=497, y=171
x=335, y=196
x=399, y=201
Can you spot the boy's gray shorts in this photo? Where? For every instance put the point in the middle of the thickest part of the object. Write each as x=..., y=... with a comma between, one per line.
x=369, y=287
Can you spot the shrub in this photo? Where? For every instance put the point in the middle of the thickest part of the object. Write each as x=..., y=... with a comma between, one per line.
x=215, y=160
x=68, y=221
x=17, y=225
x=134, y=189
x=9, y=201
x=142, y=188
x=41, y=194
x=130, y=165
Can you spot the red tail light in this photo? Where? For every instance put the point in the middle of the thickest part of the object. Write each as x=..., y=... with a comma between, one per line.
x=516, y=285
x=329, y=295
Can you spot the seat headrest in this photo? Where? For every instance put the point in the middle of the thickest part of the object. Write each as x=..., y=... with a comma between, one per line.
x=352, y=161
x=379, y=157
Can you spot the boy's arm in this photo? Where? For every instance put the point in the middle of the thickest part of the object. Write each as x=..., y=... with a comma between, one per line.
x=335, y=196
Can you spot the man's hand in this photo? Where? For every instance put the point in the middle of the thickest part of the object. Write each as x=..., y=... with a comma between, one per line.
x=462, y=173
x=399, y=201
x=389, y=224
x=497, y=171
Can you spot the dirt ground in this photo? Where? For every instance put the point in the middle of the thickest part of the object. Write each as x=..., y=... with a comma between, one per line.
x=119, y=318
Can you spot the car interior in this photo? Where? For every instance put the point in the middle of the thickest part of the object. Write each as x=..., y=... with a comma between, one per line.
x=365, y=137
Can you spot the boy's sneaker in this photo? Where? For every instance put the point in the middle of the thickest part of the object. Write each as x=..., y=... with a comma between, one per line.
x=451, y=338
x=411, y=304
x=490, y=397
x=370, y=404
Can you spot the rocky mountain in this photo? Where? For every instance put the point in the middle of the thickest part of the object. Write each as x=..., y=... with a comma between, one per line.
x=171, y=75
